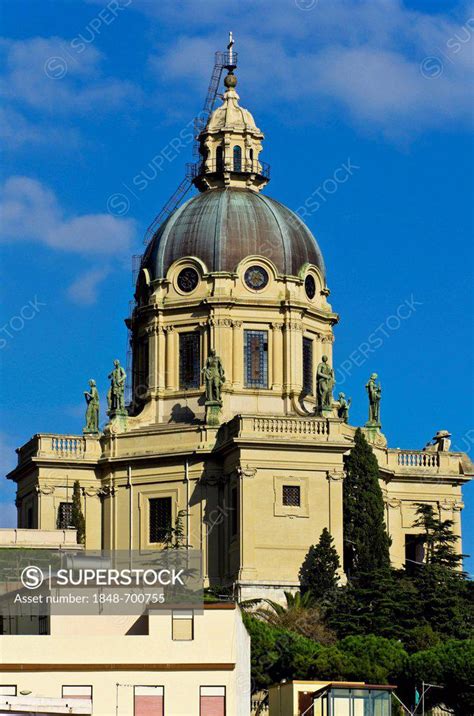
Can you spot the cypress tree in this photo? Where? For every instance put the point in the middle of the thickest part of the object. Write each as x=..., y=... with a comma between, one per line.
x=318, y=573
x=366, y=543
x=77, y=518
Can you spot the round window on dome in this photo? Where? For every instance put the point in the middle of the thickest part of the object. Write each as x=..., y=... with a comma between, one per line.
x=310, y=286
x=188, y=279
x=256, y=278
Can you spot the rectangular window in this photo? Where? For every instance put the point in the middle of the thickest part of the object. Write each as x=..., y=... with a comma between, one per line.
x=189, y=360
x=29, y=518
x=160, y=518
x=77, y=692
x=212, y=701
x=234, y=515
x=256, y=359
x=414, y=550
x=7, y=690
x=64, y=515
x=182, y=624
x=148, y=701
x=308, y=366
x=291, y=495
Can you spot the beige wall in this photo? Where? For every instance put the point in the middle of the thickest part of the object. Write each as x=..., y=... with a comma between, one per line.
x=219, y=655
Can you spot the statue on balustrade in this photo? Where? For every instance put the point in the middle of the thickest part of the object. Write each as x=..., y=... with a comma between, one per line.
x=324, y=385
x=440, y=443
x=116, y=393
x=92, y=410
x=343, y=409
x=374, y=391
x=214, y=377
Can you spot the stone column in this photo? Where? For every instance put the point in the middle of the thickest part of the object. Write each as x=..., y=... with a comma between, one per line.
x=223, y=344
x=247, y=571
x=395, y=530
x=161, y=358
x=293, y=352
x=152, y=333
x=237, y=354
x=278, y=358
x=335, y=480
x=170, y=357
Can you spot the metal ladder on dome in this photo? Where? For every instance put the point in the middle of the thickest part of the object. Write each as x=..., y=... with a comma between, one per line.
x=223, y=60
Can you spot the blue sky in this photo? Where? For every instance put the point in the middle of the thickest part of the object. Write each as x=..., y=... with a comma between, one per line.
x=96, y=96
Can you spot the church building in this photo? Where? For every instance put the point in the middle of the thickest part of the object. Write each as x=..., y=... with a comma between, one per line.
x=232, y=426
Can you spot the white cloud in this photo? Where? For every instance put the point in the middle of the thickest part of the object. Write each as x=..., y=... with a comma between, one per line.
x=30, y=211
x=84, y=290
x=47, y=74
x=16, y=131
x=364, y=57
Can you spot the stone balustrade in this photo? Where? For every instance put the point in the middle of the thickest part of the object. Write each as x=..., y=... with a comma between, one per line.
x=62, y=447
x=281, y=428
x=419, y=462
x=418, y=458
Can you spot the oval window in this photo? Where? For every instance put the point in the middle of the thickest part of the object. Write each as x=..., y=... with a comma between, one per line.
x=188, y=279
x=310, y=286
x=256, y=278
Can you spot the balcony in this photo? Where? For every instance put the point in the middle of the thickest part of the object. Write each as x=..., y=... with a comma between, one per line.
x=59, y=447
x=245, y=166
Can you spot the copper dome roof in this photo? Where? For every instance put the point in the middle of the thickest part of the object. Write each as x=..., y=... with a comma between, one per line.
x=224, y=226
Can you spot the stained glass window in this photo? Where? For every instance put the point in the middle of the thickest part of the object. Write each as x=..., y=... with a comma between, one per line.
x=237, y=159
x=256, y=359
x=308, y=366
x=189, y=360
x=160, y=518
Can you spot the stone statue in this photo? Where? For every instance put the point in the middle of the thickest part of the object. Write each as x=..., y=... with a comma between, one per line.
x=343, y=409
x=214, y=377
x=116, y=393
x=441, y=442
x=92, y=411
x=374, y=391
x=324, y=384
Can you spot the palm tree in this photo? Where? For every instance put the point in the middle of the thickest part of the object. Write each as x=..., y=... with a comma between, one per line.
x=300, y=614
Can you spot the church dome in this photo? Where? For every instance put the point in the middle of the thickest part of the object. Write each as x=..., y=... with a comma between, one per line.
x=223, y=226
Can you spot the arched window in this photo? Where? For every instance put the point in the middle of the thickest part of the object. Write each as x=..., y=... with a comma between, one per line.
x=237, y=158
x=251, y=159
x=219, y=159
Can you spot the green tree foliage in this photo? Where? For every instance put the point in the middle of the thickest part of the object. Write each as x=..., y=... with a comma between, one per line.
x=300, y=614
x=440, y=540
x=280, y=654
x=77, y=517
x=386, y=605
x=175, y=537
x=366, y=543
x=319, y=572
x=449, y=664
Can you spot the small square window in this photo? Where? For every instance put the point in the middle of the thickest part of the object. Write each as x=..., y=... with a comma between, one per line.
x=291, y=495
x=183, y=625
